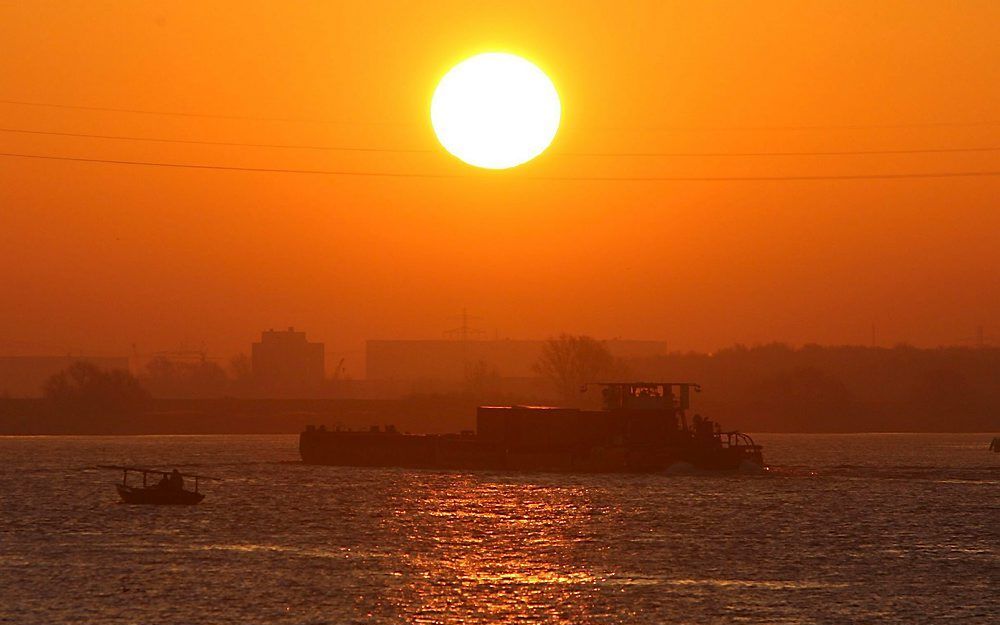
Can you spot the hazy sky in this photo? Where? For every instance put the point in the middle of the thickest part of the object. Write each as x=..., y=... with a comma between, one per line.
x=98, y=257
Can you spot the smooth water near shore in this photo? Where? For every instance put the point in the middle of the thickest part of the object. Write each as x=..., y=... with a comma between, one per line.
x=873, y=528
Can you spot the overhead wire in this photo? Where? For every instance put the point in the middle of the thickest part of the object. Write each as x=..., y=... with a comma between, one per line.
x=219, y=143
x=774, y=153
x=912, y=175
x=140, y=111
x=795, y=153
x=972, y=149
x=111, y=109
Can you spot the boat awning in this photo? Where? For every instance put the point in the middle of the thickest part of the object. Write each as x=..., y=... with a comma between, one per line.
x=155, y=471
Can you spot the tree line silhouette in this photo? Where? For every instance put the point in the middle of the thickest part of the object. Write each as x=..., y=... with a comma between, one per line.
x=841, y=388
x=771, y=387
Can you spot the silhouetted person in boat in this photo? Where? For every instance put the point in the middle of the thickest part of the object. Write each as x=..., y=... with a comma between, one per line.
x=702, y=427
x=164, y=483
x=176, y=480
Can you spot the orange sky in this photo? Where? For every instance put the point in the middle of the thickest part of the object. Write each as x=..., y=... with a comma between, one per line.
x=97, y=257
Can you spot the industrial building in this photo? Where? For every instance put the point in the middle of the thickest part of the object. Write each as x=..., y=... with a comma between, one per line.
x=284, y=363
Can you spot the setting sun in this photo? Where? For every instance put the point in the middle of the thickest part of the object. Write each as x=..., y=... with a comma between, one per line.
x=495, y=111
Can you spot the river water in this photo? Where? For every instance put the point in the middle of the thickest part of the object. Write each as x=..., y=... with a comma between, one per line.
x=872, y=528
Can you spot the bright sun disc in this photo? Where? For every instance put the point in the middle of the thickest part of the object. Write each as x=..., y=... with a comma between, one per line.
x=495, y=110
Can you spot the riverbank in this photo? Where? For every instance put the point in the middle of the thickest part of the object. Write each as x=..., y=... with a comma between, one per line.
x=238, y=416
x=427, y=414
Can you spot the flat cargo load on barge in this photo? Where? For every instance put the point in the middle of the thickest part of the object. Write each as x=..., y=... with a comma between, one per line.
x=642, y=428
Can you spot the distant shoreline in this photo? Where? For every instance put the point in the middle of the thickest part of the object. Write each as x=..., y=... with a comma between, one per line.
x=421, y=415
x=201, y=434
x=25, y=417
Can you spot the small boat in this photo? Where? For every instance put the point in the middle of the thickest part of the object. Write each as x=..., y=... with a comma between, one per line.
x=169, y=491
x=995, y=445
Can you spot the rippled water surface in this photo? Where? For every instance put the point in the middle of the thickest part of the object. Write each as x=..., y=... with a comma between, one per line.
x=886, y=528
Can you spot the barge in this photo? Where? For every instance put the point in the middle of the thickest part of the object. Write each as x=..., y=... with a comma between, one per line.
x=642, y=427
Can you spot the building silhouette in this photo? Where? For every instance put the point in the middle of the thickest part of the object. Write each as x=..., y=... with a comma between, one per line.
x=284, y=363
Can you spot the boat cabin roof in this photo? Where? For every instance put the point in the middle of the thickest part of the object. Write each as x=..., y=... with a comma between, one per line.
x=143, y=470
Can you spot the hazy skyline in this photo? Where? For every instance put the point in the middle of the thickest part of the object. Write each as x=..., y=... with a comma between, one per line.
x=99, y=257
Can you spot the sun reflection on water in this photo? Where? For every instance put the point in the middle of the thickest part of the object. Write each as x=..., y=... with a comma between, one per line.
x=498, y=553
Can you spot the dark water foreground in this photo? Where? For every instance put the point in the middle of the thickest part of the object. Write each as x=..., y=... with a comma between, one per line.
x=884, y=528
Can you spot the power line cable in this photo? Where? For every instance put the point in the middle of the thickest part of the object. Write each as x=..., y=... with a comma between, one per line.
x=280, y=170
x=944, y=124
x=110, y=109
x=221, y=143
x=794, y=153
x=954, y=174
x=587, y=154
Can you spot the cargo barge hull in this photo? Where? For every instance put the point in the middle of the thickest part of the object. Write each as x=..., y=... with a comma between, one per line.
x=642, y=429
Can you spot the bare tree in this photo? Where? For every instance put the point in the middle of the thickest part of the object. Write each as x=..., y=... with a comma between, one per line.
x=167, y=378
x=570, y=361
x=481, y=380
x=84, y=387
